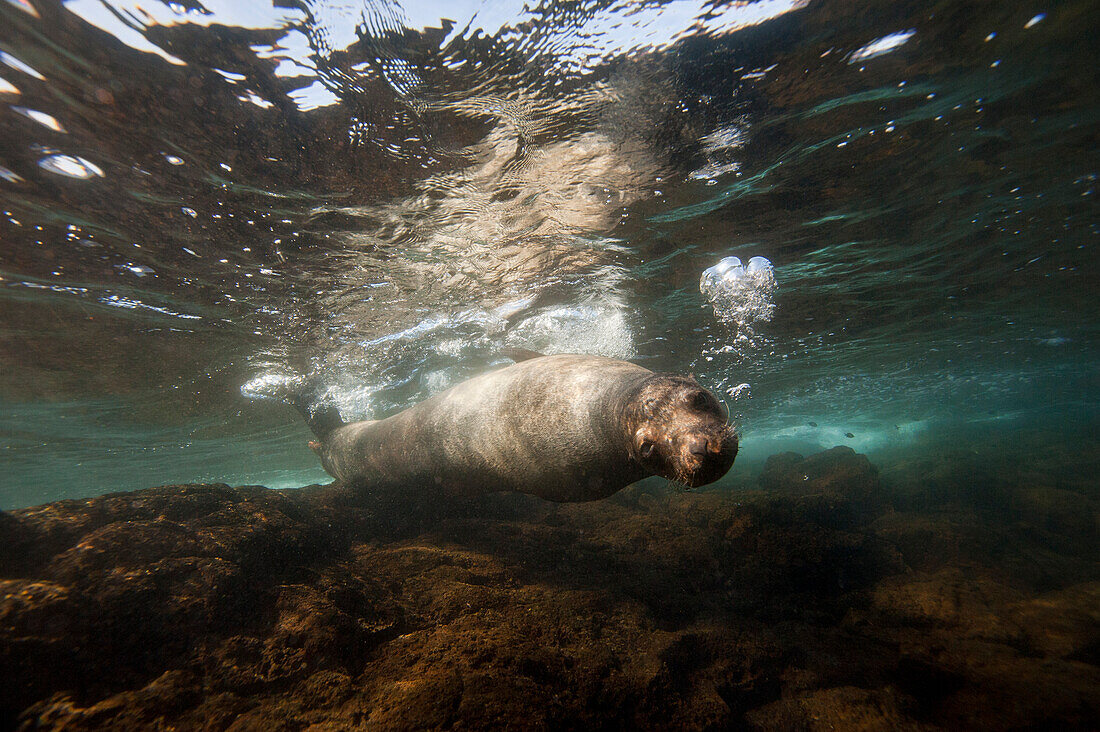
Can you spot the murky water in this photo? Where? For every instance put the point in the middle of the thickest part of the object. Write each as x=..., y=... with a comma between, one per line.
x=195, y=196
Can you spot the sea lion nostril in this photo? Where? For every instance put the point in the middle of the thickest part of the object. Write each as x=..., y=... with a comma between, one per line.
x=698, y=446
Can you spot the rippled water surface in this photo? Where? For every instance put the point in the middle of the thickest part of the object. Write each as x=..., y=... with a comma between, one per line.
x=197, y=196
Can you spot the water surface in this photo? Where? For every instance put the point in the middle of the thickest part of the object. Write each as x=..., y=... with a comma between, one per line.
x=195, y=196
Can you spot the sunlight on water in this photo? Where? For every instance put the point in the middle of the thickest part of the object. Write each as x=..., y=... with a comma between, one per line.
x=203, y=197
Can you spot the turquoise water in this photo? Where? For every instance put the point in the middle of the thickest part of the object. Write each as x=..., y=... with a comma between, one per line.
x=196, y=196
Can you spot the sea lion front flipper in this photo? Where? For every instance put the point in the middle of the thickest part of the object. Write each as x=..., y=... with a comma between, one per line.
x=520, y=354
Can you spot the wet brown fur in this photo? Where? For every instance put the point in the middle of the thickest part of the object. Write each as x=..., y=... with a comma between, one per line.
x=564, y=428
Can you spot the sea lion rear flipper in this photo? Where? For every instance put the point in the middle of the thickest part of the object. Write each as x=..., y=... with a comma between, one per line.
x=320, y=414
x=520, y=354
x=305, y=393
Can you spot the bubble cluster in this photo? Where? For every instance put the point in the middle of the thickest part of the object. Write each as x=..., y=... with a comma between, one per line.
x=741, y=295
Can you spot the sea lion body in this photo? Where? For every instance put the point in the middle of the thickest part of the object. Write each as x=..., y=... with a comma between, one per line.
x=564, y=428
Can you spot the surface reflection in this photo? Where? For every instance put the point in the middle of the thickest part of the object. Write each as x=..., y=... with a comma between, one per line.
x=196, y=195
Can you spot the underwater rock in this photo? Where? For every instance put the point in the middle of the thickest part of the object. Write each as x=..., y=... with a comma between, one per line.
x=972, y=603
x=846, y=708
x=841, y=469
x=792, y=606
x=1057, y=509
x=1063, y=624
x=837, y=487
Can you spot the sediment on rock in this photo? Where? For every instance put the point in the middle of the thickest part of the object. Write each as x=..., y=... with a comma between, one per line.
x=811, y=598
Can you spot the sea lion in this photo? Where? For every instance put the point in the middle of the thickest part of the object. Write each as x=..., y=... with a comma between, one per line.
x=563, y=428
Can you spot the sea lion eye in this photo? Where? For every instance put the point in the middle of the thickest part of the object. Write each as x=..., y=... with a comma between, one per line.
x=647, y=449
x=700, y=400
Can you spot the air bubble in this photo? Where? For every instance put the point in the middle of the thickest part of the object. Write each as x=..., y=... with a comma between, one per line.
x=741, y=295
x=40, y=117
x=727, y=270
x=758, y=264
x=71, y=166
x=10, y=176
x=139, y=270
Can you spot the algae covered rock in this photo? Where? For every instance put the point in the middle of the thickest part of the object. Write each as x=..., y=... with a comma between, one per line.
x=808, y=599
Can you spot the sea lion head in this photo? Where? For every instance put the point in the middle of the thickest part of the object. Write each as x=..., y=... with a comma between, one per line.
x=679, y=430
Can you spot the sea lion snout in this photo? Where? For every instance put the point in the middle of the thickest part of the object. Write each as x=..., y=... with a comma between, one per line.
x=682, y=432
x=706, y=455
